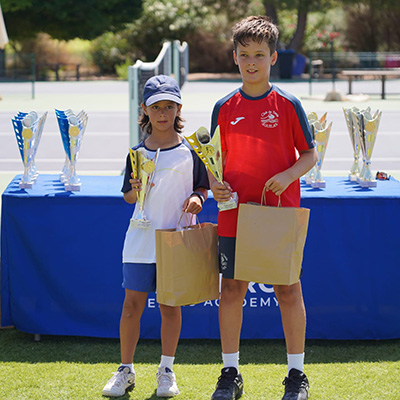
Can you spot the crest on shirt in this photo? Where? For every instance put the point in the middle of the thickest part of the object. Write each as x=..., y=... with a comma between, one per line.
x=269, y=119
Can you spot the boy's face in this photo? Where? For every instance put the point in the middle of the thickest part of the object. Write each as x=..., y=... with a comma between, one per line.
x=162, y=114
x=254, y=62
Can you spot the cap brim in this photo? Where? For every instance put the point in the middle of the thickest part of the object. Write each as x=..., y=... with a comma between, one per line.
x=162, y=97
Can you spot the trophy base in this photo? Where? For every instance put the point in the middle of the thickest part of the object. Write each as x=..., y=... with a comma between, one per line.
x=367, y=184
x=72, y=187
x=140, y=223
x=319, y=184
x=308, y=180
x=25, y=185
x=230, y=204
x=353, y=177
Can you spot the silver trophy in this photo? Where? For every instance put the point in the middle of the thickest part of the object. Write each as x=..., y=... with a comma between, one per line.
x=367, y=130
x=144, y=169
x=72, y=128
x=209, y=151
x=320, y=133
x=28, y=128
x=351, y=122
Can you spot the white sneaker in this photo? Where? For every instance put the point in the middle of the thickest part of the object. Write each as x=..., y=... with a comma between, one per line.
x=166, y=383
x=121, y=381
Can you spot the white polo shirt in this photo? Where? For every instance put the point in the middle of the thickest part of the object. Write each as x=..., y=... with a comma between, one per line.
x=178, y=173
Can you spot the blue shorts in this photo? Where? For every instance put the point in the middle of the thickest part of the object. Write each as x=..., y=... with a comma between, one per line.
x=139, y=277
x=227, y=248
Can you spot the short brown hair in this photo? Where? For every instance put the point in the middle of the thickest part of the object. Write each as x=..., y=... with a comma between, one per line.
x=145, y=125
x=259, y=29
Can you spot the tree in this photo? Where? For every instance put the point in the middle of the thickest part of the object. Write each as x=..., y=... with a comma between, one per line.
x=373, y=25
x=67, y=19
x=379, y=13
x=303, y=7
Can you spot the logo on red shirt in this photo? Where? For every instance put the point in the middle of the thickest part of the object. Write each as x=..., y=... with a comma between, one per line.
x=269, y=119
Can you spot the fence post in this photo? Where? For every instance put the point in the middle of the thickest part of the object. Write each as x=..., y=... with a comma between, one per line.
x=333, y=67
x=33, y=75
x=175, y=62
x=310, y=74
x=133, y=79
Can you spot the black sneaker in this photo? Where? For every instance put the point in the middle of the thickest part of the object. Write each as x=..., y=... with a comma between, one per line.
x=229, y=385
x=296, y=386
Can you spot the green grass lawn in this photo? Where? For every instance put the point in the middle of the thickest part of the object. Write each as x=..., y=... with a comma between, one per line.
x=60, y=367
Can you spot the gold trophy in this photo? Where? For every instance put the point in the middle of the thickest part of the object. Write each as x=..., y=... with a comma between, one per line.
x=367, y=129
x=354, y=173
x=209, y=151
x=309, y=176
x=143, y=169
x=321, y=134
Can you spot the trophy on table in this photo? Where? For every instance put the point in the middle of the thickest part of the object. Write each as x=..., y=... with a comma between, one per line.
x=28, y=128
x=367, y=130
x=352, y=128
x=144, y=169
x=321, y=134
x=72, y=128
x=209, y=151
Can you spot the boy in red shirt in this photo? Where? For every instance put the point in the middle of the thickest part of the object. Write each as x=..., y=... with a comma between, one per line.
x=261, y=128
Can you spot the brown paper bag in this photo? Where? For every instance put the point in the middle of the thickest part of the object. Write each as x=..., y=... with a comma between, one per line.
x=270, y=243
x=187, y=265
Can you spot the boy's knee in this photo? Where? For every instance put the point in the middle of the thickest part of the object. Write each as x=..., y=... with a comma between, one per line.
x=233, y=290
x=169, y=312
x=288, y=293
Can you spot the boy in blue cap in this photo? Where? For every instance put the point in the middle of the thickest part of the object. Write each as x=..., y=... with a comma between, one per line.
x=180, y=185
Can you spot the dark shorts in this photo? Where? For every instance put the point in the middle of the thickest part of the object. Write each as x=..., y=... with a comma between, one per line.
x=139, y=277
x=227, y=247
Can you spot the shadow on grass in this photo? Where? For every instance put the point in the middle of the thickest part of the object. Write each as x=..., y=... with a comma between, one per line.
x=16, y=346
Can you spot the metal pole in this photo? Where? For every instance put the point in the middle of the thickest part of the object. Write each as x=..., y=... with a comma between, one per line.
x=33, y=75
x=310, y=74
x=333, y=67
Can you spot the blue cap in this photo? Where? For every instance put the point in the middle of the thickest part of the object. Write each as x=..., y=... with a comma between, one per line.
x=161, y=87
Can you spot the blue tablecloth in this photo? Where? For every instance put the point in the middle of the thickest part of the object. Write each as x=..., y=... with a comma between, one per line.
x=61, y=264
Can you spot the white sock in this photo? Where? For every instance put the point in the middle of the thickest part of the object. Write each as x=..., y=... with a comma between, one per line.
x=167, y=362
x=130, y=366
x=231, y=360
x=295, y=361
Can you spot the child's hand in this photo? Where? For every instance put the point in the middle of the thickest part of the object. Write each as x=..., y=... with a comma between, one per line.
x=192, y=205
x=221, y=192
x=136, y=184
x=278, y=183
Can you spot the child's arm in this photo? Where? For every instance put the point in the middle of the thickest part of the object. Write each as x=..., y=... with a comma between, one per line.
x=194, y=203
x=279, y=182
x=131, y=196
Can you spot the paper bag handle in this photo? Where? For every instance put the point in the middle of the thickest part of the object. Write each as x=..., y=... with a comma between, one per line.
x=264, y=198
x=187, y=221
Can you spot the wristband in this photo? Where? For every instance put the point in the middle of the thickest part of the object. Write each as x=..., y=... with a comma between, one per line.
x=199, y=195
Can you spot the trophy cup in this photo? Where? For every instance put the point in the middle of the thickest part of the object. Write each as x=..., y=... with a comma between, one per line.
x=209, y=151
x=72, y=128
x=321, y=135
x=28, y=130
x=352, y=128
x=309, y=176
x=367, y=130
x=143, y=169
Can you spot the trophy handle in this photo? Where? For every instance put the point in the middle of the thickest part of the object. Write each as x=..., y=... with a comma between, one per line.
x=134, y=163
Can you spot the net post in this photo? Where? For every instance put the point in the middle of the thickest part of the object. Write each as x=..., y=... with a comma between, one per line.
x=133, y=79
